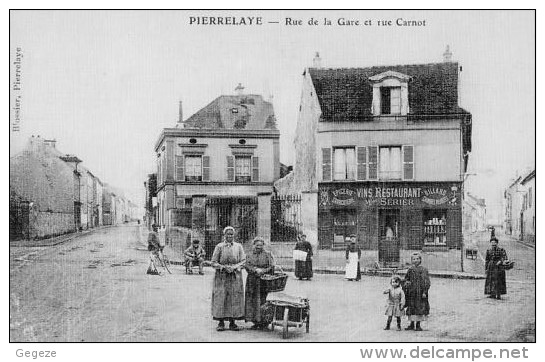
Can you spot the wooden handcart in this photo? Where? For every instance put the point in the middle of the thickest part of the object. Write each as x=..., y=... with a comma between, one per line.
x=289, y=311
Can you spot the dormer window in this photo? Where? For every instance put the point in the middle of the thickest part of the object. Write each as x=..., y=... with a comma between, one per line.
x=390, y=93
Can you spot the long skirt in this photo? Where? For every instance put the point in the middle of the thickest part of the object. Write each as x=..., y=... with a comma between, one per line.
x=495, y=282
x=228, y=295
x=256, y=296
x=303, y=269
x=352, y=270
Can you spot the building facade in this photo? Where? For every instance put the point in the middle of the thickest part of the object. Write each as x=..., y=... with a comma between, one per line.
x=216, y=168
x=528, y=213
x=385, y=150
x=513, y=207
x=474, y=214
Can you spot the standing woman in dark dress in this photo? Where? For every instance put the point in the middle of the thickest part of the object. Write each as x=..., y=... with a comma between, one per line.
x=258, y=263
x=417, y=285
x=495, y=275
x=303, y=269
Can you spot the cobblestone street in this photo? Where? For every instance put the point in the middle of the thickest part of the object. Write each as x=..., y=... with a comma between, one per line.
x=94, y=288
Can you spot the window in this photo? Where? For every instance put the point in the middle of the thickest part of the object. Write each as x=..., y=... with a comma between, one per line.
x=344, y=163
x=193, y=168
x=435, y=227
x=243, y=166
x=390, y=100
x=390, y=163
x=530, y=197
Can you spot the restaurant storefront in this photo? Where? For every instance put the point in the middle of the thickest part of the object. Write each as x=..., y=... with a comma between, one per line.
x=391, y=216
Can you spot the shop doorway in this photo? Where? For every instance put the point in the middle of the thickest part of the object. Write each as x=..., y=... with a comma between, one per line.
x=388, y=243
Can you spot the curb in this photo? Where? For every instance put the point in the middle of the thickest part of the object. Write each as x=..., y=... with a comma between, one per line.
x=60, y=239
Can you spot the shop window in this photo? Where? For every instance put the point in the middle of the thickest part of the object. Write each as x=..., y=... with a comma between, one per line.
x=390, y=163
x=435, y=227
x=344, y=224
x=344, y=163
x=193, y=168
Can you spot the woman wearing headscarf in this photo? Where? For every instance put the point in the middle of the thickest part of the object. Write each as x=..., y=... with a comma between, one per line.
x=228, y=290
x=303, y=268
x=258, y=263
x=417, y=285
x=495, y=284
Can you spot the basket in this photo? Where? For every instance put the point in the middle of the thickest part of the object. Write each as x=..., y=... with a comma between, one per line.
x=507, y=265
x=275, y=282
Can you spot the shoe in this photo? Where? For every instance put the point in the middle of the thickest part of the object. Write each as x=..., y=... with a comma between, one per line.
x=498, y=297
x=387, y=328
x=410, y=327
x=233, y=327
x=255, y=327
x=201, y=273
x=418, y=328
x=398, y=328
x=220, y=328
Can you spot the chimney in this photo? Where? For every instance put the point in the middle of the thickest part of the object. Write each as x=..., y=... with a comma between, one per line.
x=447, y=55
x=180, y=113
x=239, y=90
x=317, y=61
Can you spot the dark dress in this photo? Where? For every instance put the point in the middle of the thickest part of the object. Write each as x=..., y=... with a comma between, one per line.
x=495, y=276
x=256, y=294
x=353, y=249
x=417, y=282
x=303, y=269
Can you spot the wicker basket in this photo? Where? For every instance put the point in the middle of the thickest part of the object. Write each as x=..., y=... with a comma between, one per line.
x=507, y=265
x=275, y=282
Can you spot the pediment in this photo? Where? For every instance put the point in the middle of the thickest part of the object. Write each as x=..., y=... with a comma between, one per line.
x=390, y=74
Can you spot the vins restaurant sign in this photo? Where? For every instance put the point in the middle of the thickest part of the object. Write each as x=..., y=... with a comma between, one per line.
x=444, y=195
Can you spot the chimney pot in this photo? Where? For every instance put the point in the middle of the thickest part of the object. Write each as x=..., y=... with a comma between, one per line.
x=239, y=90
x=447, y=55
x=180, y=113
x=317, y=61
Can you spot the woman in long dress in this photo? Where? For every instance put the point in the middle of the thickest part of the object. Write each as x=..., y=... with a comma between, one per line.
x=417, y=285
x=303, y=268
x=228, y=290
x=353, y=255
x=495, y=285
x=258, y=263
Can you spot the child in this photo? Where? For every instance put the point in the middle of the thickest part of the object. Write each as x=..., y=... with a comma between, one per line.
x=195, y=256
x=396, y=302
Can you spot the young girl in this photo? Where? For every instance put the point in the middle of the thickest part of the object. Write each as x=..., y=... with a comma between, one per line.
x=396, y=302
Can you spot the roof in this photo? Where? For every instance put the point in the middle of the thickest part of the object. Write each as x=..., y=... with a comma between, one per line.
x=235, y=112
x=477, y=200
x=529, y=177
x=347, y=93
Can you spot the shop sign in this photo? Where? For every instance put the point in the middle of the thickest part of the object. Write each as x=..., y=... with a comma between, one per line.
x=390, y=196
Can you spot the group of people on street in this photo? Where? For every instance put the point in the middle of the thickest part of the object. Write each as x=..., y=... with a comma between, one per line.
x=229, y=300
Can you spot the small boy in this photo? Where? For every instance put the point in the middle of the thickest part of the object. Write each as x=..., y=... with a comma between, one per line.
x=195, y=256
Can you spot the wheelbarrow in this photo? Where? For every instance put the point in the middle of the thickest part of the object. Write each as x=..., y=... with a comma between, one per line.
x=289, y=311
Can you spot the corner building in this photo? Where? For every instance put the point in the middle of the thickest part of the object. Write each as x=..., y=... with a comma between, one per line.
x=390, y=147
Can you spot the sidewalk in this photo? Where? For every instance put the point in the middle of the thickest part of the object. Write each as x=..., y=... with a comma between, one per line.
x=54, y=240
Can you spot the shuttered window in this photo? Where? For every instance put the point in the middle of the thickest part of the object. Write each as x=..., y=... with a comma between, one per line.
x=206, y=168
x=230, y=168
x=372, y=162
x=255, y=169
x=408, y=163
x=193, y=168
x=326, y=164
x=179, y=168
x=362, y=163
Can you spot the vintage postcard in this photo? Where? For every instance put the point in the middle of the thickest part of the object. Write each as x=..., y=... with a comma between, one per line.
x=273, y=176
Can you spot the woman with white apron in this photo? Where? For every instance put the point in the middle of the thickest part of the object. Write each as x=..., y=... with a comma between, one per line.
x=353, y=255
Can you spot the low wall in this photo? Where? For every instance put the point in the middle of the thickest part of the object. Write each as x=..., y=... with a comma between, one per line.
x=43, y=224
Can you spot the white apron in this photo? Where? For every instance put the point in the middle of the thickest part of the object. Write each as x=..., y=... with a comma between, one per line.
x=351, y=271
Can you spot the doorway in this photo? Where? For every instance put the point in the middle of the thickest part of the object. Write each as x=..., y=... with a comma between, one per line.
x=388, y=241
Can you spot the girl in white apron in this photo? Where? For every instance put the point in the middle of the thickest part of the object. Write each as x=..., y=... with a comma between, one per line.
x=353, y=255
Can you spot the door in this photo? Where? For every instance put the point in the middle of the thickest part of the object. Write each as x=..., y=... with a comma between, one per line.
x=388, y=244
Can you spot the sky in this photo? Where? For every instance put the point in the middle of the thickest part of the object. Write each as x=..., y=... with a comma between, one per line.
x=105, y=83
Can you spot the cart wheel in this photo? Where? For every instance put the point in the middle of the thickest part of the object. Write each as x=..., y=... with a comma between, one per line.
x=285, y=323
x=308, y=322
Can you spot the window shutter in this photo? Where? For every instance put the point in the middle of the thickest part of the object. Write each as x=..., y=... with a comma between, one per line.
x=230, y=168
x=179, y=168
x=255, y=169
x=372, y=162
x=206, y=168
x=408, y=163
x=326, y=164
x=362, y=163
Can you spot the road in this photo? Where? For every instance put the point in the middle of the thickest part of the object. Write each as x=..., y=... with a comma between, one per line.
x=94, y=289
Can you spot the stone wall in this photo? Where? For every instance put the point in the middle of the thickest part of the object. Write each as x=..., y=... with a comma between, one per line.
x=43, y=224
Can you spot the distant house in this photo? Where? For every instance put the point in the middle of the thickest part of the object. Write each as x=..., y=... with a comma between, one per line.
x=474, y=213
x=45, y=182
x=528, y=222
x=214, y=165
